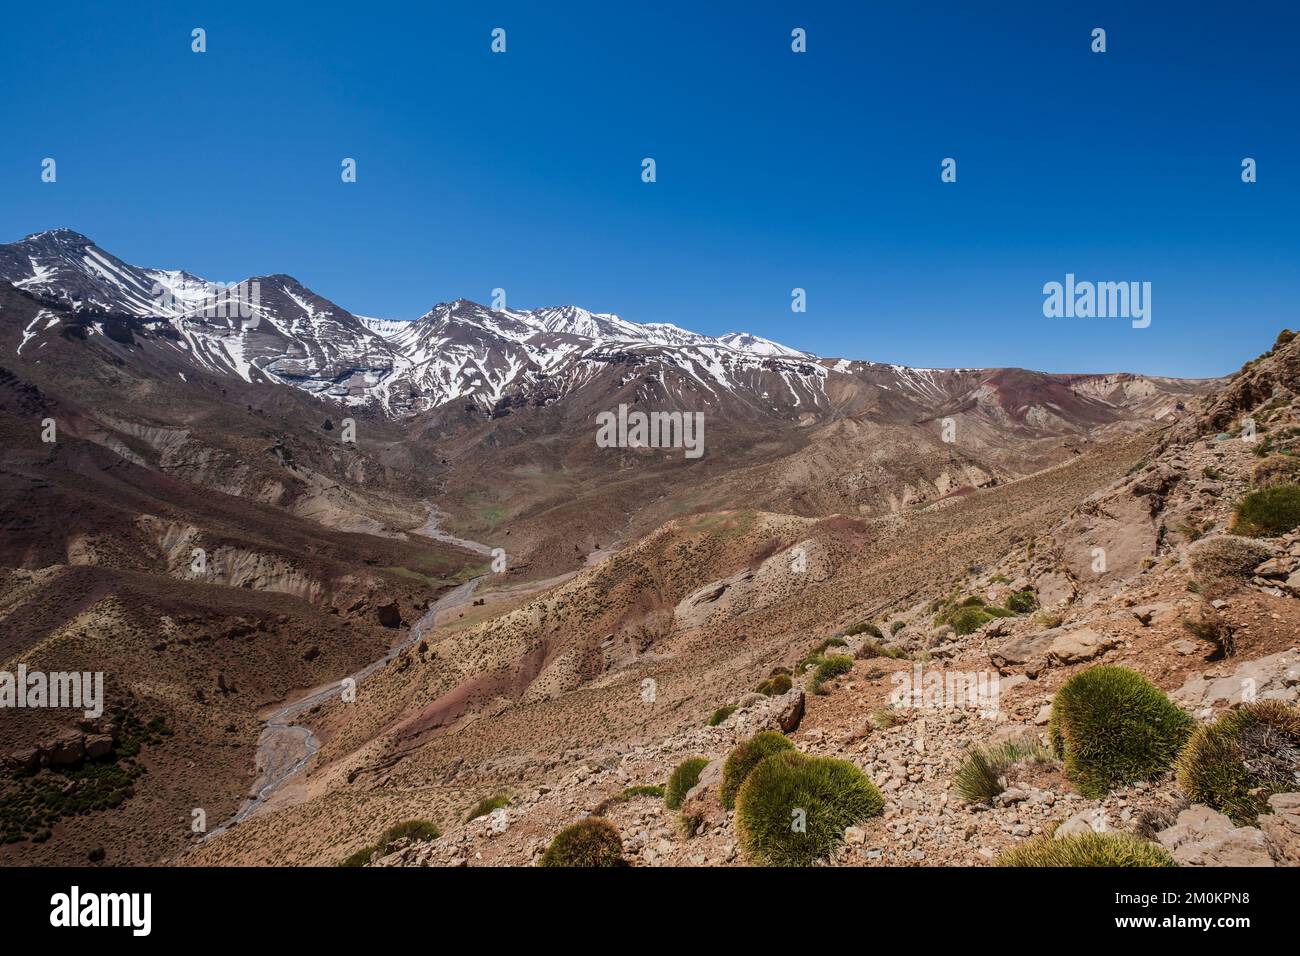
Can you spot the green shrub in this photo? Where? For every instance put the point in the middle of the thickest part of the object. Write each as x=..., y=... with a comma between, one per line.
x=792, y=809
x=1087, y=849
x=969, y=619
x=864, y=627
x=591, y=842
x=829, y=668
x=895, y=627
x=1268, y=512
x=417, y=831
x=628, y=793
x=1021, y=602
x=683, y=778
x=721, y=714
x=871, y=649
x=487, y=805
x=1112, y=727
x=775, y=686
x=744, y=757
x=982, y=774
x=1235, y=764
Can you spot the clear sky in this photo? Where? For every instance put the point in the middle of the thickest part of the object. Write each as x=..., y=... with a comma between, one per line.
x=775, y=170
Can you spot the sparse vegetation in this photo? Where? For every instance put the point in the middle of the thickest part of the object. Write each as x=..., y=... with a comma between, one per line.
x=828, y=669
x=865, y=627
x=793, y=809
x=31, y=804
x=593, y=842
x=871, y=649
x=1269, y=512
x=1021, y=602
x=417, y=831
x=1276, y=470
x=774, y=686
x=628, y=793
x=722, y=713
x=982, y=774
x=1235, y=764
x=686, y=776
x=487, y=805
x=1209, y=625
x=895, y=627
x=744, y=757
x=1112, y=727
x=1088, y=849
x=1223, y=562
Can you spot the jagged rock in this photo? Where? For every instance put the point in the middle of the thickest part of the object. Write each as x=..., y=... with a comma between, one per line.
x=67, y=749
x=790, y=715
x=1205, y=837
x=1158, y=613
x=24, y=759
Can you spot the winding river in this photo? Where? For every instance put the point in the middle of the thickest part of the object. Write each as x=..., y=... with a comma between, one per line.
x=285, y=747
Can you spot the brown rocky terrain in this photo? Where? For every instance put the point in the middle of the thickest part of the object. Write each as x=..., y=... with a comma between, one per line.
x=546, y=704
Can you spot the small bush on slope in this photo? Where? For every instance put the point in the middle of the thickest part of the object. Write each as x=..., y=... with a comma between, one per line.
x=981, y=776
x=864, y=627
x=1111, y=726
x=789, y=788
x=721, y=714
x=829, y=668
x=414, y=830
x=1268, y=512
x=1088, y=849
x=1021, y=602
x=593, y=842
x=683, y=778
x=1235, y=764
x=487, y=805
x=1276, y=470
x=1220, y=562
x=774, y=686
x=744, y=757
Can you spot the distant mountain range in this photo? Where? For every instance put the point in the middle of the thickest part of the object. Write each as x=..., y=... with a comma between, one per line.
x=492, y=361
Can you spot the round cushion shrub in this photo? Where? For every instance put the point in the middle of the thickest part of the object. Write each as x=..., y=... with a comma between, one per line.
x=744, y=757
x=1268, y=512
x=1235, y=764
x=683, y=778
x=774, y=686
x=1087, y=849
x=1113, y=727
x=792, y=809
x=588, y=843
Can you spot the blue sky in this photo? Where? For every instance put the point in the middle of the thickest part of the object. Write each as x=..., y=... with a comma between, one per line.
x=775, y=170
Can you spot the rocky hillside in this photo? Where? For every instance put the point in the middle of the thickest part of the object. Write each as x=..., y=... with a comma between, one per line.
x=1173, y=582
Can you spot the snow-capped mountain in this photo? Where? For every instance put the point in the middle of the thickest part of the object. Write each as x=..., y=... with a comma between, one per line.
x=271, y=328
x=466, y=357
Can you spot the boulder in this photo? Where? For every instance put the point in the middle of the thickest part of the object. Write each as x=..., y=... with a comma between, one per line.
x=1078, y=645
x=389, y=615
x=67, y=749
x=98, y=745
x=1275, y=677
x=1092, y=820
x=1205, y=837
